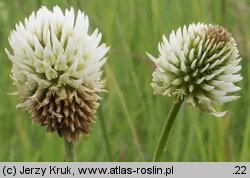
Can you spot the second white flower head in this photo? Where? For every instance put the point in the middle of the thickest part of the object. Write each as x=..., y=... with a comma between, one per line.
x=198, y=64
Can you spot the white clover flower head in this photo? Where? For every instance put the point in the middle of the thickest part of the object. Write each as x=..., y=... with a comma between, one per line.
x=198, y=64
x=57, y=70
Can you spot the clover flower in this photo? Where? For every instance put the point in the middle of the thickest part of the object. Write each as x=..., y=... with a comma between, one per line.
x=56, y=69
x=198, y=64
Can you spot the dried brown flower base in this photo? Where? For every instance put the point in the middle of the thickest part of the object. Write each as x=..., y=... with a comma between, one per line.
x=69, y=116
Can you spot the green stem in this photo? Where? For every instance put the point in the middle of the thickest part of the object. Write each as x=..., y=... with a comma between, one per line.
x=166, y=130
x=69, y=151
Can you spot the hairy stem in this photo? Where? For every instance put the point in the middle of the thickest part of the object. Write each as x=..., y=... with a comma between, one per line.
x=69, y=151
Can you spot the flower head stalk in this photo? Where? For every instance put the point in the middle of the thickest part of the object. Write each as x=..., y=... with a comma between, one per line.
x=198, y=64
x=57, y=70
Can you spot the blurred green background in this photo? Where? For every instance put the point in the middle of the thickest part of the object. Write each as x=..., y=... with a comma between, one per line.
x=130, y=117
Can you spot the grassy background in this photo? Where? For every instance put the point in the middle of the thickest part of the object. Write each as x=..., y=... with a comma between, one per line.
x=131, y=115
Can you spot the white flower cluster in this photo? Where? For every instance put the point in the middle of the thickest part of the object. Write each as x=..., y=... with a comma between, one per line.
x=198, y=64
x=54, y=58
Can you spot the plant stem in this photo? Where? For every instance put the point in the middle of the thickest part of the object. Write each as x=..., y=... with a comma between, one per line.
x=166, y=130
x=69, y=151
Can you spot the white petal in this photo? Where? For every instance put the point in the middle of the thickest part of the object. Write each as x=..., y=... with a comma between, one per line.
x=230, y=78
x=152, y=58
x=207, y=87
x=183, y=67
x=199, y=81
x=205, y=68
x=218, y=92
x=224, y=99
x=191, y=54
x=177, y=82
x=219, y=114
x=190, y=88
x=174, y=69
x=193, y=65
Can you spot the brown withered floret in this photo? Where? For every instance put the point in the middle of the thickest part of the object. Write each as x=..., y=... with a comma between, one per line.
x=218, y=33
x=69, y=117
